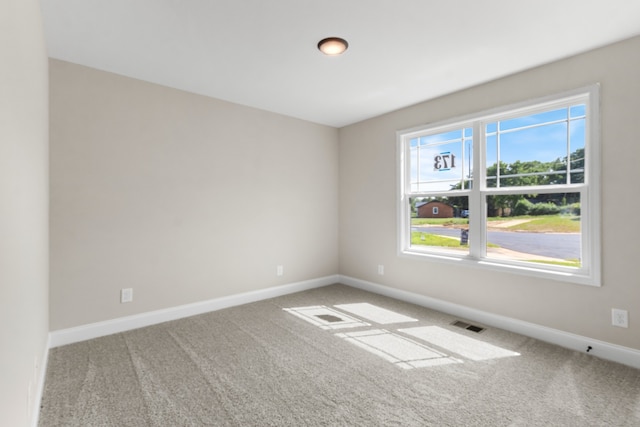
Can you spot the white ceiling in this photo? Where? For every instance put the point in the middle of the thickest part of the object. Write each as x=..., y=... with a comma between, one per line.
x=262, y=53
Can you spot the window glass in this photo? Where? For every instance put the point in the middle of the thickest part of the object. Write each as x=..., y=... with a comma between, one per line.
x=576, y=164
x=541, y=228
x=534, y=119
x=536, y=149
x=438, y=161
x=534, y=206
x=440, y=223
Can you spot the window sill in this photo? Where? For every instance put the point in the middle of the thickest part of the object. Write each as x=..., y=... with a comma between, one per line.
x=575, y=276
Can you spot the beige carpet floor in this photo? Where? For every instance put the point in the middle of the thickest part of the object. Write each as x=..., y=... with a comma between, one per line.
x=333, y=356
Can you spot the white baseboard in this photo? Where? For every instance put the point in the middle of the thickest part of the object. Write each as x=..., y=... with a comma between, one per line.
x=602, y=349
x=108, y=327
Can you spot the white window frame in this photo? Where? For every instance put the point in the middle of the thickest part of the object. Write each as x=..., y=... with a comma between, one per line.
x=590, y=271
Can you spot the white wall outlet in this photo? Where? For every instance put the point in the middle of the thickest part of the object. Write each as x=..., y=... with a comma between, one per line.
x=381, y=269
x=279, y=270
x=619, y=318
x=126, y=295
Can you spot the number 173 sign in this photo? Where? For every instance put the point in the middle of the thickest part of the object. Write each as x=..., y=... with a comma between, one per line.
x=444, y=161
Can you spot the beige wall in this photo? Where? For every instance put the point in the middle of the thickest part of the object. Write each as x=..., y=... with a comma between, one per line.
x=368, y=184
x=23, y=208
x=186, y=198
x=181, y=197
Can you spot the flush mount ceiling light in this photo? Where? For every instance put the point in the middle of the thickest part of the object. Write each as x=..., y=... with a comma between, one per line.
x=333, y=46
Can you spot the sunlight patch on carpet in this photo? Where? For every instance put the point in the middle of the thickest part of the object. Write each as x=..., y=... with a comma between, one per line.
x=325, y=317
x=374, y=313
x=468, y=347
x=401, y=351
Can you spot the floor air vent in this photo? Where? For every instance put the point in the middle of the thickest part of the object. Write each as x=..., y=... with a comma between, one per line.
x=467, y=326
x=329, y=318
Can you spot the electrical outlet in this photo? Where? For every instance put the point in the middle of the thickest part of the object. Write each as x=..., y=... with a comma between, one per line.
x=619, y=318
x=381, y=269
x=126, y=295
x=280, y=270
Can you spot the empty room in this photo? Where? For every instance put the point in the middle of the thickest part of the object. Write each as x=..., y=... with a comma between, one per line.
x=297, y=213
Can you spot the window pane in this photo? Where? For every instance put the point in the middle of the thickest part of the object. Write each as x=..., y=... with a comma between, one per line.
x=578, y=111
x=539, y=149
x=441, y=162
x=413, y=162
x=577, y=151
x=542, y=229
x=467, y=163
x=542, y=144
x=491, y=150
x=440, y=223
x=534, y=119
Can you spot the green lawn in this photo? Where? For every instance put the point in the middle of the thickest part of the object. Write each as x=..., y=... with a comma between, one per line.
x=541, y=224
x=439, y=221
x=549, y=224
x=426, y=239
x=568, y=263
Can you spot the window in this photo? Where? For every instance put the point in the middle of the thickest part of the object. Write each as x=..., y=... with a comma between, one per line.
x=515, y=188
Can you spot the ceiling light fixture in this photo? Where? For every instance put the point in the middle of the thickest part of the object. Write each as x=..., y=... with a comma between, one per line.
x=333, y=46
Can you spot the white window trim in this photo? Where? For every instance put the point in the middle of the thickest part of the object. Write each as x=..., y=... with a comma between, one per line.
x=590, y=273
